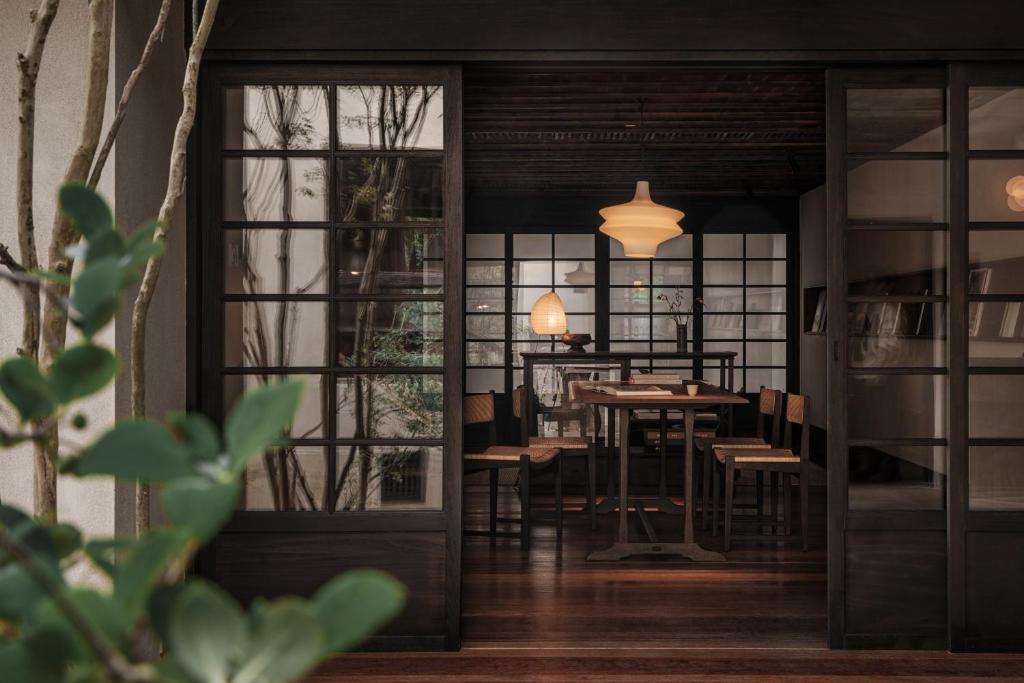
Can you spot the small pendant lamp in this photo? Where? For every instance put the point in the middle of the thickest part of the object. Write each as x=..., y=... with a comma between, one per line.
x=641, y=225
x=548, y=315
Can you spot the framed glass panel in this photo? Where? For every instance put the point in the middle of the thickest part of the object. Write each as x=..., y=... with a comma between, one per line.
x=289, y=478
x=766, y=299
x=632, y=273
x=482, y=380
x=485, y=246
x=897, y=334
x=485, y=273
x=755, y=378
x=276, y=117
x=270, y=334
x=268, y=261
x=390, y=334
x=764, y=353
x=723, y=272
x=766, y=272
x=996, y=118
x=669, y=273
x=766, y=327
x=390, y=189
x=485, y=327
x=629, y=299
x=766, y=246
x=485, y=353
x=531, y=246
x=275, y=190
x=996, y=331
x=389, y=406
x=309, y=419
x=390, y=117
x=577, y=324
x=532, y=273
x=996, y=409
x=405, y=477
x=485, y=299
x=574, y=273
x=992, y=195
x=405, y=261
x=996, y=261
x=896, y=120
x=897, y=477
x=900, y=191
x=997, y=477
x=903, y=262
x=723, y=246
x=569, y=246
x=896, y=406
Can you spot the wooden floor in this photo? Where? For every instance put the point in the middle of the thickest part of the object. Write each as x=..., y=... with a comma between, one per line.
x=551, y=616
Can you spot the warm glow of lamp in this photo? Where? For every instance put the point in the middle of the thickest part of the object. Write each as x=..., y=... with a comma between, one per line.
x=548, y=315
x=1015, y=193
x=641, y=225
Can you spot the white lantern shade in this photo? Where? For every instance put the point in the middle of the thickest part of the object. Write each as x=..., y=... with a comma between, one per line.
x=548, y=315
x=641, y=225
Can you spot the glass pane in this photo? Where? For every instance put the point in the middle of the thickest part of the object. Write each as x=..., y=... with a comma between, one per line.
x=390, y=189
x=278, y=190
x=485, y=353
x=762, y=377
x=996, y=190
x=390, y=117
x=577, y=300
x=490, y=299
x=575, y=273
x=485, y=246
x=723, y=246
x=663, y=327
x=723, y=272
x=532, y=273
x=896, y=406
x=896, y=120
x=996, y=408
x=766, y=272
x=766, y=327
x=275, y=261
x=523, y=298
x=766, y=353
x=672, y=272
x=766, y=246
x=270, y=117
x=887, y=477
x=724, y=325
x=531, y=246
x=735, y=347
x=634, y=273
x=997, y=261
x=389, y=407
x=288, y=478
x=897, y=334
x=997, y=477
x=897, y=191
x=996, y=118
x=479, y=381
x=485, y=327
x=997, y=333
x=267, y=334
x=485, y=272
x=629, y=327
x=404, y=261
x=390, y=334
x=309, y=419
x=766, y=299
x=896, y=262
x=574, y=246
x=629, y=299
x=389, y=477
x=678, y=300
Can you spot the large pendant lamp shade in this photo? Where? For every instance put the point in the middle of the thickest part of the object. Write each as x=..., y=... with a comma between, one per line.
x=548, y=315
x=641, y=225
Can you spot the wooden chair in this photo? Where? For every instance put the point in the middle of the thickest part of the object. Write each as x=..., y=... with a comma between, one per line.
x=782, y=461
x=581, y=445
x=766, y=435
x=479, y=409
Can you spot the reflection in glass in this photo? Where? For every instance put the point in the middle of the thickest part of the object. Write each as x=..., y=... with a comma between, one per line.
x=997, y=477
x=485, y=326
x=485, y=299
x=896, y=119
x=576, y=274
x=997, y=261
x=766, y=299
x=532, y=273
x=389, y=478
x=574, y=246
x=996, y=331
x=904, y=191
x=723, y=272
x=390, y=334
x=273, y=117
x=629, y=327
x=888, y=477
x=996, y=409
x=390, y=261
x=896, y=406
x=897, y=334
x=634, y=273
x=485, y=272
x=289, y=478
x=766, y=353
x=390, y=117
x=390, y=189
x=766, y=327
x=755, y=378
x=269, y=334
x=485, y=246
x=672, y=273
x=275, y=261
x=485, y=353
x=766, y=272
x=629, y=299
x=884, y=262
x=996, y=118
x=735, y=347
x=309, y=419
x=766, y=246
x=406, y=406
x=279, y=190
x=482, y=380
x=988, y=198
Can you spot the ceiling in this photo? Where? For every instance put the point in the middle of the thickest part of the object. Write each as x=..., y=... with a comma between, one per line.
x=577, y=130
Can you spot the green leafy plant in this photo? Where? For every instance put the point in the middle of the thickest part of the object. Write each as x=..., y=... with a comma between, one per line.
x=54, y=631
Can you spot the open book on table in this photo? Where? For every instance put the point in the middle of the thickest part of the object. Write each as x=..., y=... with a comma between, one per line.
x=631, y=390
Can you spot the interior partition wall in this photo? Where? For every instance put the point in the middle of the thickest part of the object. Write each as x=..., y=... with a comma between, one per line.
x=330, y=243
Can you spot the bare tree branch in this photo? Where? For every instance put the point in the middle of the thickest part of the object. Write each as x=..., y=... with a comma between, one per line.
x=175, y=187
x=155, y=36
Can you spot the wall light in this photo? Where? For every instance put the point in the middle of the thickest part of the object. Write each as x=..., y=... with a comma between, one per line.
x=1015, y=193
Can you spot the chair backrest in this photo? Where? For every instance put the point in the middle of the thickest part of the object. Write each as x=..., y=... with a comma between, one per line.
x=797, y=413
x=479, y=409
x=769, y=413
x=518, y=395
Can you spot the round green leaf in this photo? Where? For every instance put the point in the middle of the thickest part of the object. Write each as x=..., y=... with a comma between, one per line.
x=86, y=209
x=207, y=633
x=82, y=370
x=200, y=505
x=287, y=643
x=133, y=449
x=198, y=434
x=26, y=389
x=260, y=418
x=95, y=295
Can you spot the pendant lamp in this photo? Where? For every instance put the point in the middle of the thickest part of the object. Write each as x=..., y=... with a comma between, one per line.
x=641, y=225
x=548, y=315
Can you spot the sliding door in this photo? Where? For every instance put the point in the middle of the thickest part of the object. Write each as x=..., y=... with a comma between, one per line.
x=889, y=374
x=329, y=235
x=987, y=356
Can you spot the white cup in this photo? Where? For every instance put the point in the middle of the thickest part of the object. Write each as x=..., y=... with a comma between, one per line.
x=691, y=389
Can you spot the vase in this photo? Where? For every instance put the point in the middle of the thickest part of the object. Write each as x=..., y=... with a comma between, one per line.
x=681, y=337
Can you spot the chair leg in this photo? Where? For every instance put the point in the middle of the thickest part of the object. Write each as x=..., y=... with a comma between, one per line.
x=729, y=484
x=558, y=498
x=715, y=469
x=494, y=500
x=705, y=484
x=524, y=494
x=787, y=503
x=805, y=506
x=592, y=484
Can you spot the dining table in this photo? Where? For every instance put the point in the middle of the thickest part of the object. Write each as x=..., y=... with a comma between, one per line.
x=672, y=397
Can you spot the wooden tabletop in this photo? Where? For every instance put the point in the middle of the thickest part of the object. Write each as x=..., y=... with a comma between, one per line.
x=707, y=394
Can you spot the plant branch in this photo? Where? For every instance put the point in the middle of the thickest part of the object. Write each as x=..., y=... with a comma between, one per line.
x=155, y=36
x=115, y=663
x=175, y=188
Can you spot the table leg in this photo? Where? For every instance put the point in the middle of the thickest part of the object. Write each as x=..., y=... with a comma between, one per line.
x=623, y=476
x=688, y=474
